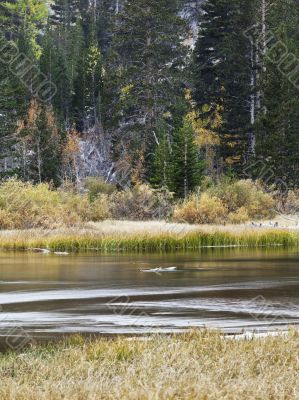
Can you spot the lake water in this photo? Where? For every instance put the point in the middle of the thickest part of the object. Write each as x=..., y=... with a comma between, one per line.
x=47, y=296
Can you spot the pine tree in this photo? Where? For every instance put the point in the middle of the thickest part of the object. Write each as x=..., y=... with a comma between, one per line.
x=145, y=73
x=161, y=161
x=62, y=58
x=65, y=13
x=121, y=69
x=20, y=22
x=222, y=73
x=103, y=14
x=40, y=145
x=31, y=16
x=187, y=168
x=12, y=109
x=277, y=126
x=53, y=65
x=88, y=86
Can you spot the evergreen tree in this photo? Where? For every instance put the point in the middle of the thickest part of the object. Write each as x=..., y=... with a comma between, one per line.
x=88, y=86
x=222, y=73
x=277, y=126
x=145, y=73
x=62, y=58
x=20, y=23
x=31, y=16
x=161, y=161
x=65, y=13
x=12, y=110
x=187, y=168
x=102, y=16
x=121, y=70
x=40, y=145
x=53, y=65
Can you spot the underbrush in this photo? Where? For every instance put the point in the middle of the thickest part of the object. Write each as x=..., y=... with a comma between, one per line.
x=24, y=205
x=227, y=202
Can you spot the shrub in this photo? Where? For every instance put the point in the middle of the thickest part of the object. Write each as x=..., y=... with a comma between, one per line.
x=202, y=210
x=24, y=205
x=261, y=206
x=232, y=201
x=96, y=186
x=141, y=203
x=6, y=219
x=100, y=208
x=239, y=217
x=246, y=195
x=290, y=204
x=27, y=206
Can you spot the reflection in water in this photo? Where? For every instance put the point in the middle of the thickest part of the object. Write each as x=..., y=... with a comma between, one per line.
x=233, y=290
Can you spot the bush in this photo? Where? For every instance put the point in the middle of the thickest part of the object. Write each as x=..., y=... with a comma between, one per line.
x=245, y=194
x=141, y=203
x=203, y=210
x=100, y=208
x=6, y=220
x=96, y=186
x=239, y=217
x=290, y=204
x=232, y=201
x=24, y=205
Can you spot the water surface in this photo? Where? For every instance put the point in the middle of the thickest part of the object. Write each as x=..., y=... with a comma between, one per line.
x=47, y=296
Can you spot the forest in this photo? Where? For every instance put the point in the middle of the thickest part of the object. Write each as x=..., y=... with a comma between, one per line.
x=149, y=199
x=163, y=93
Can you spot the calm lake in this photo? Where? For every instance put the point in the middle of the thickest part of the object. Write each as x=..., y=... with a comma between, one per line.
x=46, y=296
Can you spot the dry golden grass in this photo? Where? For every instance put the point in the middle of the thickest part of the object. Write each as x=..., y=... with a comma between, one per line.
x=123, y=228
x=198, y=365
x=114, y=227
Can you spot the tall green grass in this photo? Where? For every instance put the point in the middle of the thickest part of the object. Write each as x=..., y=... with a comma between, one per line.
x=154, y=242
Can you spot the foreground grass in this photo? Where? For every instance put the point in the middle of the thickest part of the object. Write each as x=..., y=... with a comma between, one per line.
x=198, y=365
x=178, y=237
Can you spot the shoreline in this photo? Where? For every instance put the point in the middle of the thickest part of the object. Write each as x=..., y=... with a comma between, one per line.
x=152, y=236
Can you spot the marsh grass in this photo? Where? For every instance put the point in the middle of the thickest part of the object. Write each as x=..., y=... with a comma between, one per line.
x=146, y=242
x=196, y=365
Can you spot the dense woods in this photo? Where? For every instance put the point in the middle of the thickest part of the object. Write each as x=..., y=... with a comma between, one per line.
x=160, y=92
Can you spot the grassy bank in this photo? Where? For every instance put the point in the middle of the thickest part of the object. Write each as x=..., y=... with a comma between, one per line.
x=198, y=365
x=93, y=240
